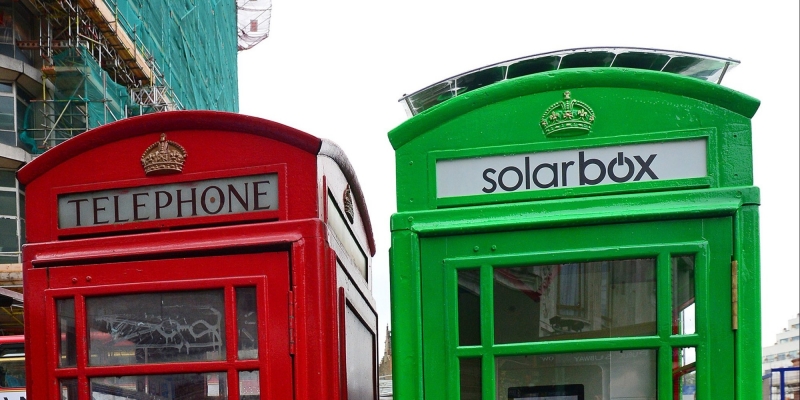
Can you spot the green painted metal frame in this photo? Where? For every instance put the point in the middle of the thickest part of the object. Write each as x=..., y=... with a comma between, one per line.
x=464, y=127
x=707, y=340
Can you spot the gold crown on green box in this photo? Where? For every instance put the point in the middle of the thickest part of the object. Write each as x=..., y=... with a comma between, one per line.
x=568, y=117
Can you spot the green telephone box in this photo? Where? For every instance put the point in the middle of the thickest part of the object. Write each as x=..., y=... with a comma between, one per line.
x=577, y=225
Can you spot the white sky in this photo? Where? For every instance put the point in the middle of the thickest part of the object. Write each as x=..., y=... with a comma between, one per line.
x=335, y=69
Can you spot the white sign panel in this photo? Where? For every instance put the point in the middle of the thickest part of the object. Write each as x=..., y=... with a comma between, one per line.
x=571, y=168
x=177, y=200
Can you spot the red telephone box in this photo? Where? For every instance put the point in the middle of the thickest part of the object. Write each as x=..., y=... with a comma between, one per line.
x=197, y=255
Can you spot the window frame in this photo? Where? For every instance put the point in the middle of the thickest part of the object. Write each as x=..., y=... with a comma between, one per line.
x=686, y=240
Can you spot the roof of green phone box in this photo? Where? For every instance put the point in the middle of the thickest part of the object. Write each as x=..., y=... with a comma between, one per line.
x=629, y=104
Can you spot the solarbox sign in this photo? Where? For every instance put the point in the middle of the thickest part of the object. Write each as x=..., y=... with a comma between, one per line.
x=571, y=168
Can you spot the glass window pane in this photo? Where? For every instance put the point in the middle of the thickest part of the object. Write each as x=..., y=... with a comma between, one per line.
x=575, y=301
x=8, y=203
x=156, y=327
x=9, y=241
x=469, y=307
x=7, y=113
x=65, y=310
x=470, y=375
x=247, y=323
x=684, y=374
x=249, y=388
x=8, y=179
x=683, y=301
x=7, y=136
x=12, y=371
x=211, y=385
x=360, y=353
x=628, y=374
x=69, y=389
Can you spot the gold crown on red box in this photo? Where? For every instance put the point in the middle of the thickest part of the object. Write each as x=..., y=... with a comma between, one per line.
x=163, y=157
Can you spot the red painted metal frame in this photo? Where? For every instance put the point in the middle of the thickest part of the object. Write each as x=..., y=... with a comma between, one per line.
x=342, y=345
x=208, y=276
x=316, y=360
x=218, y=145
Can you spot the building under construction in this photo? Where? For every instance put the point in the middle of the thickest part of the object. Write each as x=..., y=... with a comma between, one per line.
x=67, y=66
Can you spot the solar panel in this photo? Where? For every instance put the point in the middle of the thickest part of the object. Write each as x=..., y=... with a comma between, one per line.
x=699, y=66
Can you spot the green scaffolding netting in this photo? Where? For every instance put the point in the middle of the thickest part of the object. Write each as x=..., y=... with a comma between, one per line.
x=193, y=43
x=85, y=97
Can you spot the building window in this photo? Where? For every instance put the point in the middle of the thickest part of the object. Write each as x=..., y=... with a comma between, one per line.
x=571, y=290
x=16, y=23
x=12, y=214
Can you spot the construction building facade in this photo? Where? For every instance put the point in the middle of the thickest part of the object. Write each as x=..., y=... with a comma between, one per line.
x=67, y=66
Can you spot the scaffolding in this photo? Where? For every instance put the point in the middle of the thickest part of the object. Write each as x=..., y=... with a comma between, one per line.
x=252, y=20
x=92, y=65
x=84, y=98
x=162, y=55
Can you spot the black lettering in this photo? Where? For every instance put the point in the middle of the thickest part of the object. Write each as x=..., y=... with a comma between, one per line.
x=116, y=211
x=221, y=200
x=243, y=201
x=646, y=167
x=514, y=186
x=192, y=201
x=491, y=181
x=159, y=206
x=564, y=166
x=620, y=160
x=96, y=209
x=137, y=205
x=528, y=173
x=553, y=181
x=582, y=164
x=256, y=194
x=78, y=210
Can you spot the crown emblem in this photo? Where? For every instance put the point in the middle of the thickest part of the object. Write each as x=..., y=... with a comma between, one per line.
x=348, y=204
x=163, y=157
x=568, y=117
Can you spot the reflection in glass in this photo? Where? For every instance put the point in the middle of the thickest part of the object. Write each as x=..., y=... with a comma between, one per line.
x=211, y=385
x=575, y=301
x=247, y=323
x=68, y=389
x=156, y=327
x=12, y=371
x=469, y=307
x=249, y=388
x=65, y=308
x=684, y=372
x=628, y=374
x=470, y=377
x=683, y=299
